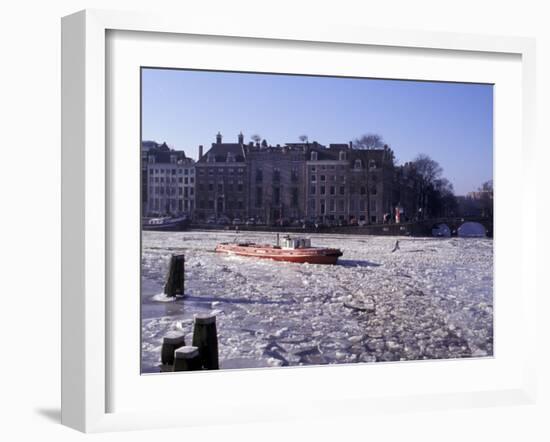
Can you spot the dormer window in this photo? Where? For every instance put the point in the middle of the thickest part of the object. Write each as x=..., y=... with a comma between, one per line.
x=357, y=164
x=151, y=159
x=230, y=157
x=342, y=155
x=210, y=158
x=313, y=156
x=372, y=164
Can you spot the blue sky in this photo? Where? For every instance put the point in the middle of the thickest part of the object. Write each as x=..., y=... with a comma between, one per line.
x=450, y=122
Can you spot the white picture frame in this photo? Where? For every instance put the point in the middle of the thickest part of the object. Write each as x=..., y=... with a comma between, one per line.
x=86, y=212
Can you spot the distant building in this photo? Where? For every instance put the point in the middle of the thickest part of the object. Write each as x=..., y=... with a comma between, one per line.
x=221, y=186
x=347, y=185
x=293, y=182
x=170, y=182
x=276, y=176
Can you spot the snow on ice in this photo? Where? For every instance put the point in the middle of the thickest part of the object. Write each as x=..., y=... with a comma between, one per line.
x=431, y=298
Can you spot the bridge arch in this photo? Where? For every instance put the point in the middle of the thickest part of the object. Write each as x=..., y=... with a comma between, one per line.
x=472, y=229
x=441, y=230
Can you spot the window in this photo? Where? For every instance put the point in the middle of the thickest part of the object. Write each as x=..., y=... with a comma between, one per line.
x=322, y=190
x=357, y=164
x=210, y=187
x=313, y=178
x=373, y=190
x=323, y=178
x=259, y=175
x=220, y=188
x=294, y=197
x=342, y=190
x=276, y=195
x=259, y=196
x=312, y=189
x=332, y=190
x=186, y=181
x=239, y=187
x=322, y=207
x=341, y=206
x=313, y=156
x=294, y=175
x=311, y=205
x=342, y=155
x=332, y=205
x=276, y=175
x=186, y=172
x=363, y=190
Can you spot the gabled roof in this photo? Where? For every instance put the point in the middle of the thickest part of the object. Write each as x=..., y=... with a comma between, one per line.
x=220, y=151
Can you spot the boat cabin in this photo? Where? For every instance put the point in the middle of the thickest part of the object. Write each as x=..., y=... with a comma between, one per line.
x=296, y=243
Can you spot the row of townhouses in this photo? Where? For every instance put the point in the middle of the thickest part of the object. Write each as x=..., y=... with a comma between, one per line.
x=294, y=181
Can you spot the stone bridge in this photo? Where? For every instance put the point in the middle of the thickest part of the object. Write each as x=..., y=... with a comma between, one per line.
x=417, y=228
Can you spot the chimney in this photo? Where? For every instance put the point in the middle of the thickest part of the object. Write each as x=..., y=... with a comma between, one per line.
x=219, y=138
x=200, y=151
x=241, y=138
x=351, y=144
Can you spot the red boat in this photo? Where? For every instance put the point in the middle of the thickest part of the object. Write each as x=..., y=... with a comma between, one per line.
x=292, y=250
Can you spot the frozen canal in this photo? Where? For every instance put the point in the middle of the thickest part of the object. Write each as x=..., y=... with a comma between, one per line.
x=431, y=298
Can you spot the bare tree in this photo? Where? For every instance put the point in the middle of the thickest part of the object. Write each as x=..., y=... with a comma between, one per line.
x=369, y=141
x=303, y=138
x=428, y=171
x=486, y=198
x=256, y=138
x=487, y=186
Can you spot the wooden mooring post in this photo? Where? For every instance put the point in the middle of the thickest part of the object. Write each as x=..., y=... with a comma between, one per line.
x=205, y=337
x=175, y=280
x=170, y=343
x=187, y=358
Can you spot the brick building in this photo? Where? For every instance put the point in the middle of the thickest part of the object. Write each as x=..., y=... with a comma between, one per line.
x=346, y=184
x=295, y=181
x=221, y=186
x=276, y=176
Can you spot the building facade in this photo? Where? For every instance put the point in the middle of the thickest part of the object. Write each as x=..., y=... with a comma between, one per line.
x=295, y=182
x=349, y=185
x=221, y=181
x=276, y=176
x=170, y=178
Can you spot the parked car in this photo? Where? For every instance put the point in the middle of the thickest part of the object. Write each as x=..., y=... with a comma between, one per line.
x=224, y=220
x=250, y=222
x=211, y=220
x=237, y=222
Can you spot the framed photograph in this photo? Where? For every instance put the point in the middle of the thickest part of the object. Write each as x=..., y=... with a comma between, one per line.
x=292, y=223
